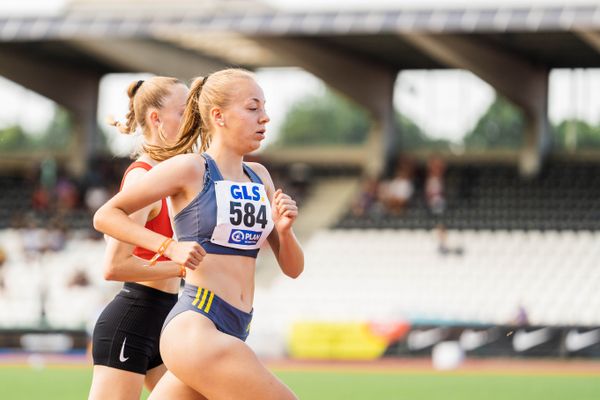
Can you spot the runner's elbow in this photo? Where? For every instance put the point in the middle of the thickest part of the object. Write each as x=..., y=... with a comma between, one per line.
x=113, y=270
x=295, y=273
x=98, y=220
x=110, y=272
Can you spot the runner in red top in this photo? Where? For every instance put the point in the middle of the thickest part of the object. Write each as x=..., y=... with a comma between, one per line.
x=126, y=336
x=161, y=223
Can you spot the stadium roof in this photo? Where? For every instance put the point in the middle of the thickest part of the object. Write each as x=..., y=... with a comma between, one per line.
x=552, y=36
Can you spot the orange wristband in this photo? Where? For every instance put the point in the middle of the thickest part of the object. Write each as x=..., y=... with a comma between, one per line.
x=182, y=271
x=160, y=252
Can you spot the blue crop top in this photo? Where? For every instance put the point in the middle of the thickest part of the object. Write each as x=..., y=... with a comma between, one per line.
x=226, y=217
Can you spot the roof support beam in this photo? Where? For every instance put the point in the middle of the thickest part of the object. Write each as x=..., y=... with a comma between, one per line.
x=591, y=38
x=369, y=84
x=73, y=88
x=149, y=56
x=521, y=82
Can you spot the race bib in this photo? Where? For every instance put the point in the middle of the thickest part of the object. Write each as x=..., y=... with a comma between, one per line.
x=243, y=215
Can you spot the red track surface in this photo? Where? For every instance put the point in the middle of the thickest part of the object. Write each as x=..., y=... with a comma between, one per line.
x=503, y=366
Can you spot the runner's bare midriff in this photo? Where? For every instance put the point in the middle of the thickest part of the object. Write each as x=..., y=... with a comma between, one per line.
x=165, y=285
x=230, y=277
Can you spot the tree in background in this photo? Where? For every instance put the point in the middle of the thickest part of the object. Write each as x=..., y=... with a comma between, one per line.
x=330, y=119
x=500, y=127
x=412, y=136
x=324, y=119
x=13, y=138
x=576, y=134
x=56, y=136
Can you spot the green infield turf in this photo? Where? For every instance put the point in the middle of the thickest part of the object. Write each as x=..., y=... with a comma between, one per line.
x=66, y=383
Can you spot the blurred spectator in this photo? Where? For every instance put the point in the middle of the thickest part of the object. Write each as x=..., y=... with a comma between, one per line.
x=57, y=235
x=2, y=261
x=95, y=197
x=367, y=199
x=443, y=247
x=79, y=279
x=521, y=318
x=48, y=171
x=434, y=186
x=299, y=176
x=67, y=195
x=34, y=240
x=40, y=199
x=397, y=192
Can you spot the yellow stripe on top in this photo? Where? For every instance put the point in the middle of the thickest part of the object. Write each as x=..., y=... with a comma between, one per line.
x=210, y=299
x=197, y=296
x=203, y=299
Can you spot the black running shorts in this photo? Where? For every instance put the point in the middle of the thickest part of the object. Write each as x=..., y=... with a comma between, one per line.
x=127, y=333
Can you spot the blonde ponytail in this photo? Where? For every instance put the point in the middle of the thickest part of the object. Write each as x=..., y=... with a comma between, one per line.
x=130, y=124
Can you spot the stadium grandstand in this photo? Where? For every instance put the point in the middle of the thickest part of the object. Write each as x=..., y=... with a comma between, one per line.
x=408, y=249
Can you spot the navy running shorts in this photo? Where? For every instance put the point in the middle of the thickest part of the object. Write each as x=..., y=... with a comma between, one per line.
x=227, y=318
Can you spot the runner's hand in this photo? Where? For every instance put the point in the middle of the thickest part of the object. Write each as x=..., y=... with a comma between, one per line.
x=285, y=211
x=188, y=254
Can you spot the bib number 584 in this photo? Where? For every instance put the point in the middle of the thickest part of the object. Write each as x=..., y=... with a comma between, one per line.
x=247, y=214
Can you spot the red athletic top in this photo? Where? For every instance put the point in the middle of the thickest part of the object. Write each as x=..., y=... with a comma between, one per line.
x=159, y=224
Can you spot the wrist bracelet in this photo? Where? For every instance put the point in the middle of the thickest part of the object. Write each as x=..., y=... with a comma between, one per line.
x=160, y=252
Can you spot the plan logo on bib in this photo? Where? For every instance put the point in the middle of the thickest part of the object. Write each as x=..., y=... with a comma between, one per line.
x=244, y=237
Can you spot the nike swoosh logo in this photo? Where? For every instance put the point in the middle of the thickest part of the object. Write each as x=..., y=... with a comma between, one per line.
x=524, y=340
x=576, y=341
x=418, y=340
x=122, y=357
x=471, y=339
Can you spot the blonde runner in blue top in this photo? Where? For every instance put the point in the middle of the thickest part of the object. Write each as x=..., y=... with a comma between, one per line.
x=219, y=234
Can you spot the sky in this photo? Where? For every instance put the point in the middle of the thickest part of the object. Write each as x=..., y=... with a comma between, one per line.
x=455, y=99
